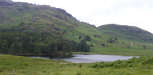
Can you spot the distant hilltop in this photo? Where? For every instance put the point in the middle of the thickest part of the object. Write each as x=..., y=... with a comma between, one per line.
x=6, y=2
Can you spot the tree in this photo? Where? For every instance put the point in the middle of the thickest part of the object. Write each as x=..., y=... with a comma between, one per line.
x=87, y=38
x=83, y=46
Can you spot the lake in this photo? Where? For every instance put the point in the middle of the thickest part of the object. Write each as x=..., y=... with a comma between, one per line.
x=95, y=58
x=80, y=58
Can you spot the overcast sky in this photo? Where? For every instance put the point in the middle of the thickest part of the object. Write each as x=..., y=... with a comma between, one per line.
x=98, y=12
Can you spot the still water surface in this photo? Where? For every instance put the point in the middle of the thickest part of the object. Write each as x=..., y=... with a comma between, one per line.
x=95, y=58
x=80, y=58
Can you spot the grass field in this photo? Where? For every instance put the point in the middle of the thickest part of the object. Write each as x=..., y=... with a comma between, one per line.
x=124, y=52
x=17, y=65
x=128, y=52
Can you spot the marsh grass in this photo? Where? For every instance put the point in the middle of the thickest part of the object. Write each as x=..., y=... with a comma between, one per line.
x=17, y=65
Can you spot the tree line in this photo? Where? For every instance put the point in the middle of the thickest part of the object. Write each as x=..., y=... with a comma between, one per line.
x=38, y=44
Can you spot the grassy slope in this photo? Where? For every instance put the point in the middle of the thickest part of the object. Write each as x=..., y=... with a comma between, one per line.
x=36, y=18
x=123, y=46
x=127, y=32
x=34, y=66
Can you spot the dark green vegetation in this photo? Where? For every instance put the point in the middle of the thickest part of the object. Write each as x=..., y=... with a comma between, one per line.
x=35, y=66
x=38, y=44
x=40, y=30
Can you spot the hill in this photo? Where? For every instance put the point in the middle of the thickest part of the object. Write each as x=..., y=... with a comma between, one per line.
x=28, y=29
x=36, y=30
x=127, y=32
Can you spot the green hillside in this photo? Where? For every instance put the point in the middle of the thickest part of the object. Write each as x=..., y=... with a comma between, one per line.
x=127, y=32
x=46, y=27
